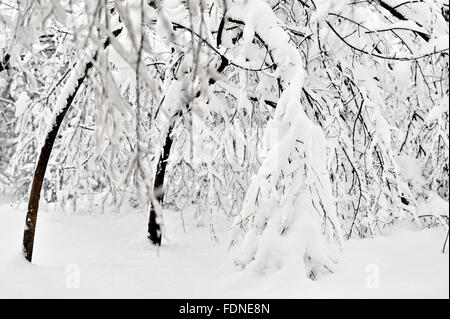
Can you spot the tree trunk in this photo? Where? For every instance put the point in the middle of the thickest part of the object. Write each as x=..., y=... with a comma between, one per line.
x=41, y=167
x=154, y=226
x=44, y=156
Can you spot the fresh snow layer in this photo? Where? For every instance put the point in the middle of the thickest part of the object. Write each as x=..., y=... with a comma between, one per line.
x=108, y=256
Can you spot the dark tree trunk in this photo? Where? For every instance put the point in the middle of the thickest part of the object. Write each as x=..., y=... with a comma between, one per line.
x=44, y=156
x=41, y=167
x=154, y=227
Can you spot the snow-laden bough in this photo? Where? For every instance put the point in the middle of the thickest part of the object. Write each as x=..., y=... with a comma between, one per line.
x=288, y=219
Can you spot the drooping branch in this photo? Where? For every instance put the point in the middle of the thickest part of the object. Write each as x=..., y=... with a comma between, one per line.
x=177, y=26
x=376, y=55
x=400, y=16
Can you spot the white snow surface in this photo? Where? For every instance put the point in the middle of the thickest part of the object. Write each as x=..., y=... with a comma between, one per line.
x=114, y=259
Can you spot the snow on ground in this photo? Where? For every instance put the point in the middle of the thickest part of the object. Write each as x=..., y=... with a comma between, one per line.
x=112, y=258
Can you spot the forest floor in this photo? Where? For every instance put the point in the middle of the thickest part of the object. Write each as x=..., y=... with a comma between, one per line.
x=108, y=256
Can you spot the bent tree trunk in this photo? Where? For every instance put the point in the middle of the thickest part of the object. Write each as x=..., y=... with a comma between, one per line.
x=41, y=167
x=154, y=226
x=44, y=156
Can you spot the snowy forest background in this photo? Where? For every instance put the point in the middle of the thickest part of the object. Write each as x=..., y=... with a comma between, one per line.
x=284, y=143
